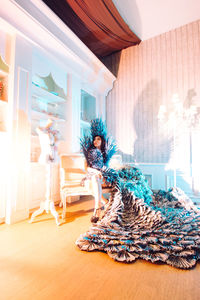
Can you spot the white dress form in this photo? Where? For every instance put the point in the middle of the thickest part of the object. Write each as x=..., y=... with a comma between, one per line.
x=47, y=143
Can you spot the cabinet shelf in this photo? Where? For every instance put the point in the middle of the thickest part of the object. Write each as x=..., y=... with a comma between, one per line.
x=48, y=97
x=37, y=115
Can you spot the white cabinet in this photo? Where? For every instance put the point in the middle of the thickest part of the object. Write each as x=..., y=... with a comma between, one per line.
x=49, y=66
x=38, y=184
x=4, y=73
x=4, y=173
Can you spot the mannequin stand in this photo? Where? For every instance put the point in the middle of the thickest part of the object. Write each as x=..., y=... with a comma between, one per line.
x=48, y=204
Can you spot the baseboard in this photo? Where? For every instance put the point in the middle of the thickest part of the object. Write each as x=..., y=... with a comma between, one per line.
x=17, y=217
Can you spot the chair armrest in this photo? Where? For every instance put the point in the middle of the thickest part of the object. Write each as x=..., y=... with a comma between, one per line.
x=75, y=170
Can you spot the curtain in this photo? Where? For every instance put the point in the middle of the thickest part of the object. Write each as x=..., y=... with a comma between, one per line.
x=97, y=23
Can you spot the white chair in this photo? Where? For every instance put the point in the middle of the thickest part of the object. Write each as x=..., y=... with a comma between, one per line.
x=72, y=171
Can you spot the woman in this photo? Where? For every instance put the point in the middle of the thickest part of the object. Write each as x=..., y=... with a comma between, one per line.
x=162, y=227
x=95, y=165
x=97, y=172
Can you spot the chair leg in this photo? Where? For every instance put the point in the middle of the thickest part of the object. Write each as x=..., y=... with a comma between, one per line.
x=63, y=199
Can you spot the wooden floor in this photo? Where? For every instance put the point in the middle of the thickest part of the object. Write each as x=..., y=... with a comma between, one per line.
x=41, y=261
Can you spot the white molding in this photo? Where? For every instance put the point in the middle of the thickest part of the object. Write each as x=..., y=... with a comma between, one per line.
x=17, y=216
x=35, y=21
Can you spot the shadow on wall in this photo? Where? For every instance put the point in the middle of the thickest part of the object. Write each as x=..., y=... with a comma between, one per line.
x=151, y=145
x=127, y=158
x=170, y=140
x=154, y=141
x=181, y=117
x=112, y=62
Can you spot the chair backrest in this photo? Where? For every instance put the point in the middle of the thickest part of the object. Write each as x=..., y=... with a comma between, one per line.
x=72, y=168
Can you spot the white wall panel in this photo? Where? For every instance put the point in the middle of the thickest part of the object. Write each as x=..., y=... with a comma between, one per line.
x=148, y=76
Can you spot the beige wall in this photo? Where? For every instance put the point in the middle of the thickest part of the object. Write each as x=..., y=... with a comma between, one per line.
x=148, y=75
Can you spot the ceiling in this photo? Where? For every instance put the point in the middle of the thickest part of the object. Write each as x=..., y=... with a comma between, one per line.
x=149, y=18
x=145, y=19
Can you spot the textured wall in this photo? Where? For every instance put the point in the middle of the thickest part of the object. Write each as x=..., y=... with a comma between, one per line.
x=148, y=75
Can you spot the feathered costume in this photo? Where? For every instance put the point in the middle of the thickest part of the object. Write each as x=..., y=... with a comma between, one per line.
x=161, y=227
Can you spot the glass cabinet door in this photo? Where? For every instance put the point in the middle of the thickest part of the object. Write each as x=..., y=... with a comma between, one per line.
x=88, y=111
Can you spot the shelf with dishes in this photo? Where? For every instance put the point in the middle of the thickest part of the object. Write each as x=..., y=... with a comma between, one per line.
x=4, y=71
x=40, y=114
x=40, y=92
x=36, y=115
x=48, y=98
x=42, y=108
x=47, y=88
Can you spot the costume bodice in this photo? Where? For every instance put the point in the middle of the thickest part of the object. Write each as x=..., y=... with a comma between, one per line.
x=95, y=159
x=47, y=143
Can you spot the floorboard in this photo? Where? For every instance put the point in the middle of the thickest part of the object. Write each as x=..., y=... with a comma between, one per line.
x=41, y=261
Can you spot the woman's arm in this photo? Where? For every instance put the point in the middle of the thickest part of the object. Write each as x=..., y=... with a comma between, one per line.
x=94, y=171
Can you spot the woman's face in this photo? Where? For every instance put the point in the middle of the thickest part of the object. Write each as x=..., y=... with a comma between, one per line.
x=97, y=142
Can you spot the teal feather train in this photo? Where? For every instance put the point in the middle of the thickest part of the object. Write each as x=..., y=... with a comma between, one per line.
x=160, y=227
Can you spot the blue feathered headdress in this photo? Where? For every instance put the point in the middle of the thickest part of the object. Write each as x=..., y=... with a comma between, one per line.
x=98, y=128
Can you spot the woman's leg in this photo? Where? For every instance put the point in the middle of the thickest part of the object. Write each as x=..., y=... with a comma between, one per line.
x=97, y=193
x=97, y=190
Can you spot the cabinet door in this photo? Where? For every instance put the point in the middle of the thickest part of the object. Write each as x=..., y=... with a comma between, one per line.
x=88, y=106
x=37, y=185
x=4, y=173
x=38, y=178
